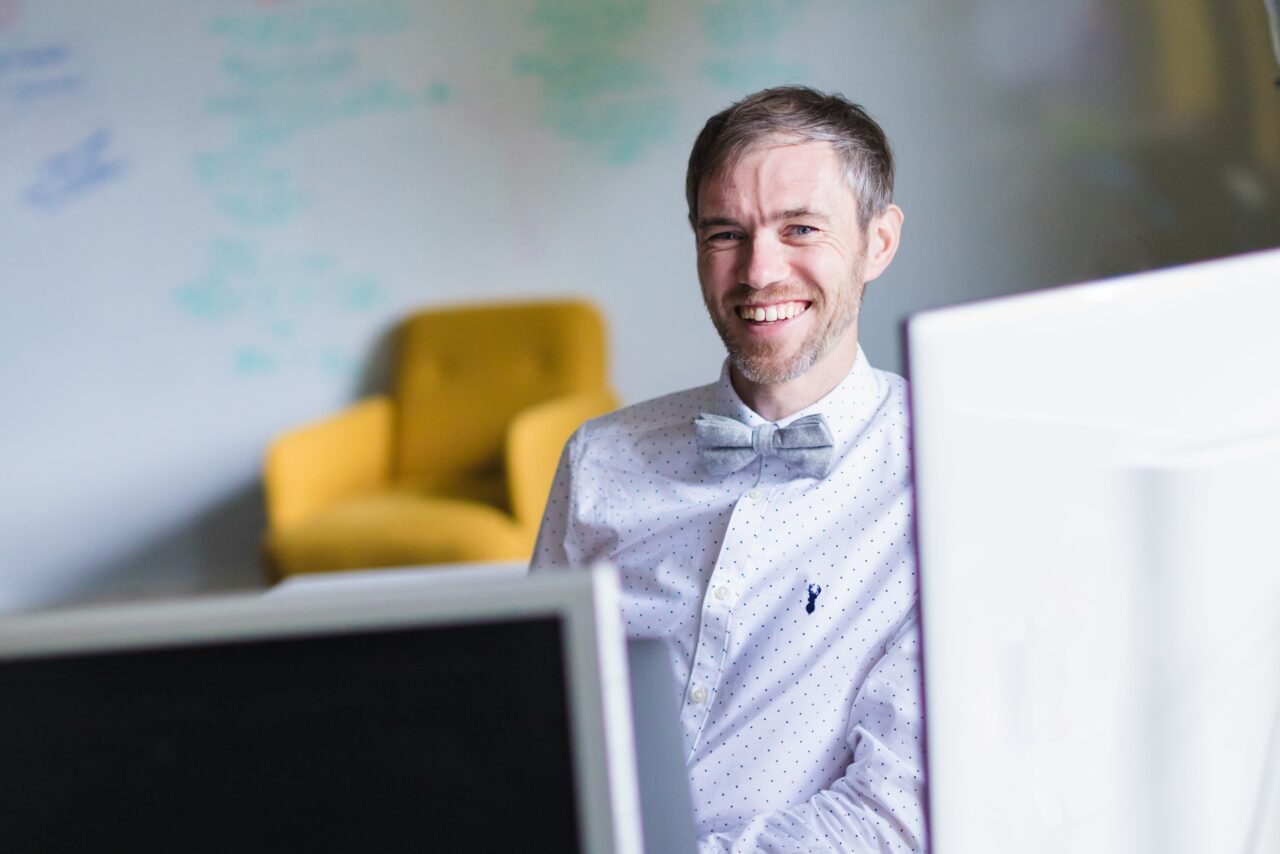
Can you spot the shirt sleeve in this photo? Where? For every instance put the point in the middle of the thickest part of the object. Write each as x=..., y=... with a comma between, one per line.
x=878, y=805
x=551, y=549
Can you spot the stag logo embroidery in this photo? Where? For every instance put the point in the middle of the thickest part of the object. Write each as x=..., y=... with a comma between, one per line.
x=814, y=590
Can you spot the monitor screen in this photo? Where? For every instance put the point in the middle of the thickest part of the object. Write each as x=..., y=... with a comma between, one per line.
x=412, y=711
x=380, y=740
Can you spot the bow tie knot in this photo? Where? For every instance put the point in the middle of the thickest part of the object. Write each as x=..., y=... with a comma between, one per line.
x=726, y=444
x=762, y=438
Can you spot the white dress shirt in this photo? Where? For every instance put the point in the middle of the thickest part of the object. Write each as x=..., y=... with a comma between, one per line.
x=788, y=604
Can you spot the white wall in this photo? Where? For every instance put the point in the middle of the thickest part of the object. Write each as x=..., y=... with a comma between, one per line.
x=211, y=212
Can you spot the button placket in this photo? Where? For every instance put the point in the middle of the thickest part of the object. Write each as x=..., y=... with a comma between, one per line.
x=716, y=616
x=713, y=641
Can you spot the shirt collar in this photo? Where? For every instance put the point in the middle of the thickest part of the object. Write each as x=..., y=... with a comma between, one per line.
x=847, y=407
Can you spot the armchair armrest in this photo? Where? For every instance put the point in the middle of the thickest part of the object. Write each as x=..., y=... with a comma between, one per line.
x=314, y=466
x=534, y=441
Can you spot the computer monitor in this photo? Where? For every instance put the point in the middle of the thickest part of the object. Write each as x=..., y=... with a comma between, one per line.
x=1098, y=494
x=666, y=805
x=485, y=715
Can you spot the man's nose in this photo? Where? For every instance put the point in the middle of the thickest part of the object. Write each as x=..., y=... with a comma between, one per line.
x=764, y=262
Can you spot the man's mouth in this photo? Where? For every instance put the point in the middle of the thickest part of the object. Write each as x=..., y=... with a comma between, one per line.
x=772, y=313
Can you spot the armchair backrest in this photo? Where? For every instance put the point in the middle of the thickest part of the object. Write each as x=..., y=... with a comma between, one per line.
x=462, y=374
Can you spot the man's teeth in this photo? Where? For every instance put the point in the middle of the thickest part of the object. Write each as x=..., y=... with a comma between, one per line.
x=761, y=313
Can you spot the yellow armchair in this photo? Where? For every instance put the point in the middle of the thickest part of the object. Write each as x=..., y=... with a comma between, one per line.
x=456, y=464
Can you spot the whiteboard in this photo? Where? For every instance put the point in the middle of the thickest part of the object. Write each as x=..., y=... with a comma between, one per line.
x=212, y=212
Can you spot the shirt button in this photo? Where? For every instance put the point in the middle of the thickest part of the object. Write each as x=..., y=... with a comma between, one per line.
x=698, y=695
x=722, y=592
x=755, y=494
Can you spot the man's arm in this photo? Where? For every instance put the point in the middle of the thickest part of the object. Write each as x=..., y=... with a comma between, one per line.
x=550, y=551
x=878, y=805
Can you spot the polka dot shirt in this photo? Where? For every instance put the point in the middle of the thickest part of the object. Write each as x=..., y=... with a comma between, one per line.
x=788, y=604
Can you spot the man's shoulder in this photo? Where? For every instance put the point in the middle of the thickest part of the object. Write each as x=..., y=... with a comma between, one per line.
x=656, y=417
x=894, y=389
x=890, y=380
x=892, y=416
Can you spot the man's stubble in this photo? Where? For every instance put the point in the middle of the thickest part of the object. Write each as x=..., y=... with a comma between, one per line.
x=758, y=362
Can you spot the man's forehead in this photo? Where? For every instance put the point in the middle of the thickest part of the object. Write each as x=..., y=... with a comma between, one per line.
x=814, y=154
x=785, y=175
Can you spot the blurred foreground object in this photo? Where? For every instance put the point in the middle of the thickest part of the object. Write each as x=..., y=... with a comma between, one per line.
x=1096, y=477
x=456, y=465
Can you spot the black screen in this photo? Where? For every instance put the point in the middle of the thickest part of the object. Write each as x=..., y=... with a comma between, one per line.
x=438, y=739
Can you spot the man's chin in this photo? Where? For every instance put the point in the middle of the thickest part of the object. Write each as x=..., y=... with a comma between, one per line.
x=768, y=369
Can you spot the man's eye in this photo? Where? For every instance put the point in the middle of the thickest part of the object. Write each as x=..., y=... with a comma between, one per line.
x=724, y=235
x=801, y=230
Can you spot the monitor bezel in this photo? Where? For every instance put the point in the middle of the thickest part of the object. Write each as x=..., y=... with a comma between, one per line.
x=585, y=603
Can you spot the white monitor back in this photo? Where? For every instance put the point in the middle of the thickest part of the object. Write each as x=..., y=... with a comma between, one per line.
x=1097, y=474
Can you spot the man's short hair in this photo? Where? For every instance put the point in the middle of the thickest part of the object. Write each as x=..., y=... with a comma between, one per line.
x=805, y=114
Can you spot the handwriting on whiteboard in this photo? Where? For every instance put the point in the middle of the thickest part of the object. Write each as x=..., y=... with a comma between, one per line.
x=70, y=174
x=597, y=89
x=30, y=76
x=278, y=291
x=276, y=303
x=288, y=74
x=312, y=25
x=745, y=38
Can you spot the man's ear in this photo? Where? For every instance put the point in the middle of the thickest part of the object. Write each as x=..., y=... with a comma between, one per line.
x=883, y=235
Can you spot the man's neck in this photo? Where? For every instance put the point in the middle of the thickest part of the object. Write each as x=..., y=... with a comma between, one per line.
x=776, y=401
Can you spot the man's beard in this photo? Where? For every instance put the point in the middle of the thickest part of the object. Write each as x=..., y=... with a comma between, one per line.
x=762, y=362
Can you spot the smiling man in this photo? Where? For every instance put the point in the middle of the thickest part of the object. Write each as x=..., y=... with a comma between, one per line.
x=762, y=523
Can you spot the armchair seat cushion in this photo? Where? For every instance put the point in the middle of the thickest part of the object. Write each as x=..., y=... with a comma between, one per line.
x=398, y=528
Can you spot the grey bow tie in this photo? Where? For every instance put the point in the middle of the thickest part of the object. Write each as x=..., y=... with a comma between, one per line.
x=727, y=444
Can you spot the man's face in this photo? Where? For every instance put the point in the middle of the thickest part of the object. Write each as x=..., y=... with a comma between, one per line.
x=781, y=259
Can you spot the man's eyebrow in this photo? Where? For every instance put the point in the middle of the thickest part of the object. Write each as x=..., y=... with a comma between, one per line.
x=789, y=213
x=801, y=213
x=711, y=221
